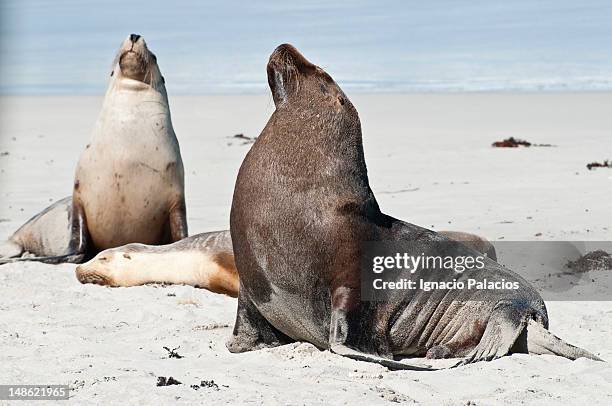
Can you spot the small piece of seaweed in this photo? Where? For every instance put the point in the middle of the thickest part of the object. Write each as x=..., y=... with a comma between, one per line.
x=162, y=381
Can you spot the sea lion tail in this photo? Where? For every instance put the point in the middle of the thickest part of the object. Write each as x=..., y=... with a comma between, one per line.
x=541, y=341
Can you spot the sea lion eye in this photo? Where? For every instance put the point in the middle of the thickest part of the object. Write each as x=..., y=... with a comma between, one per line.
x=341, y=100
x=163, y=80
x=112, y=72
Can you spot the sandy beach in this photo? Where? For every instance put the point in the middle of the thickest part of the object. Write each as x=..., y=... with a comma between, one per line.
x=430, y=162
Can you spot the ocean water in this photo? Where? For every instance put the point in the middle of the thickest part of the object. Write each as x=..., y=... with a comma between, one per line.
x=67, y=46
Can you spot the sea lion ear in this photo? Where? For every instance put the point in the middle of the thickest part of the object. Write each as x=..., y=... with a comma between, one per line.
x=277, y=84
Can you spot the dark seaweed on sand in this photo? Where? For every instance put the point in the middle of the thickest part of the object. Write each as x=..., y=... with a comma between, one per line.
x=172, y=353
x=593, y=261
x=206, y=384
x=515, y=142
x=605, y=164
x=162, y=381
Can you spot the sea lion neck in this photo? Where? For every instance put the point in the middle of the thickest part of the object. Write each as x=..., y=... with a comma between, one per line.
x=130, y=84
x=316, y=137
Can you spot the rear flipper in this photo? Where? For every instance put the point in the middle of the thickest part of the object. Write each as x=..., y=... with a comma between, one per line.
x=505, y=325
x=512, y=330
x=537, y=340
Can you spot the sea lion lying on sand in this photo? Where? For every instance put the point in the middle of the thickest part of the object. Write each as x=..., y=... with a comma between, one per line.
x=47, y=234
x=204, y=260
x=301, y=211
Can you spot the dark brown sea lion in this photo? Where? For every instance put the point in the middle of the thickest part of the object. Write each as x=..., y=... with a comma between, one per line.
x=301, y=211
x=129, y=181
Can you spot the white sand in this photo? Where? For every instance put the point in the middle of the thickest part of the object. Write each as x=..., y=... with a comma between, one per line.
x=430, y=163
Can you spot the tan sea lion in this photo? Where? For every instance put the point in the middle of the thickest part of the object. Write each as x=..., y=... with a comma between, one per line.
x=46, y=234
x=473, y=241
x=203, y=260
x=129, y=181
x=301, y=213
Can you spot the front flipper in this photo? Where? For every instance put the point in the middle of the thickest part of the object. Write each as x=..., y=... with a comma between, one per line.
x=252, y=331
x=72, y=256
x=177, y=221
x=345, y=351
x=58, y=259
x=79, y=237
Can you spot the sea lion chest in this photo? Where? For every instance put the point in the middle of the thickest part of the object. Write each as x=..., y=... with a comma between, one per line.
x=128, y=175
x=292, y=217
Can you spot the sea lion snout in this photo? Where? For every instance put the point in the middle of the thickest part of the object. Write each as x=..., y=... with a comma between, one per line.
x=133, y=39
x=286, y=69
x=287, y=54
x=291, y=75
x=98, y=270
x=135, y=59
x=135, y=43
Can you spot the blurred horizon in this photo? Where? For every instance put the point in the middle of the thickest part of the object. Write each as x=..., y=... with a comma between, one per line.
x=67, y=46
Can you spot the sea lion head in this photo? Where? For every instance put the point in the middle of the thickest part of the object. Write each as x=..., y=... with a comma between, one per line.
x=293, y=78
x=136, y=62
x=111, y=265
x=98, y=270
